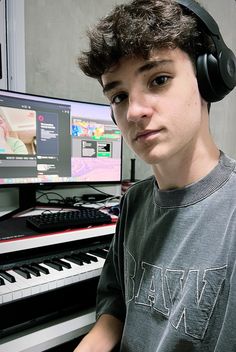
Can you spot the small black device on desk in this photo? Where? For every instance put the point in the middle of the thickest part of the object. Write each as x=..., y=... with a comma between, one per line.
x=61, y=220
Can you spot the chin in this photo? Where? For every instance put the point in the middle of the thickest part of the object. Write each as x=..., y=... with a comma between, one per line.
x=155, y=156
x=152, y=159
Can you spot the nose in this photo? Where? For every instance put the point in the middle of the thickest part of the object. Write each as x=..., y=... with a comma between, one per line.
x=138, y=108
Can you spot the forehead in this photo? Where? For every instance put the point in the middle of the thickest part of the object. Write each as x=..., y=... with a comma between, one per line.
x=161, y=58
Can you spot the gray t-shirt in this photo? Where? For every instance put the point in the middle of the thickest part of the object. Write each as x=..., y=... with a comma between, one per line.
x=170, y=273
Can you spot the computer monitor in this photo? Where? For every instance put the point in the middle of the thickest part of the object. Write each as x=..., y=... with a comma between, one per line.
x=52, y=141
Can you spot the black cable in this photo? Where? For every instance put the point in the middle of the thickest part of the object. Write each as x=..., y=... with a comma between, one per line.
x=59, y=201
x=98, y=190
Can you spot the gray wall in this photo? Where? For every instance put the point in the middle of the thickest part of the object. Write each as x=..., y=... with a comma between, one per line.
x=55, y=35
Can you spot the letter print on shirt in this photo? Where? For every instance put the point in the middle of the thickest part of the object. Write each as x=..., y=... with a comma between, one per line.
x=185, y=297
x=151, y=289
x=192, y=305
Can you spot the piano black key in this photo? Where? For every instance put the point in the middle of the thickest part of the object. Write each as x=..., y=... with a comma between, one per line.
x=31, y=270
x=87, y=258
x=41, y=268
x=91, y=257
x=7, y=276
x=83, y=257
x=22, y=272
x=99, y=252
x=53, y=265
x=74, y=259
x=62, y=263
x=2, y=282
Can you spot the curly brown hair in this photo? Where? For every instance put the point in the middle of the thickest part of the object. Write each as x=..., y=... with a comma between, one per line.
x=139, y=27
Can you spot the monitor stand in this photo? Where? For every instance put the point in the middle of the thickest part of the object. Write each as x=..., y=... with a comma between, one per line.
x=26, y=200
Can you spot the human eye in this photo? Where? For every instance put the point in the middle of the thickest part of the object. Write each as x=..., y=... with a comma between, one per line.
x=118, y=98
x=160, y=80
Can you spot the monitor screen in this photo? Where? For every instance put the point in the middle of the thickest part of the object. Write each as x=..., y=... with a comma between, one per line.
x=48, y=140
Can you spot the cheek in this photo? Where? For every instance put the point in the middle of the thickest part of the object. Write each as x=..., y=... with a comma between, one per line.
x=186, y=114
x=124, y=133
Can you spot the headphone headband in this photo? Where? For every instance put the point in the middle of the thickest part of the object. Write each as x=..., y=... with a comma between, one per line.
x=209, y=22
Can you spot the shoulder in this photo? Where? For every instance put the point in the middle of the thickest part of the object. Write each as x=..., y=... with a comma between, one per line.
x=146, y=184
x=140, y=190
x=228, y=163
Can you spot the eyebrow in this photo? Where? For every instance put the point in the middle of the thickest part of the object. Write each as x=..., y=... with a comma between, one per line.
x=144, y=68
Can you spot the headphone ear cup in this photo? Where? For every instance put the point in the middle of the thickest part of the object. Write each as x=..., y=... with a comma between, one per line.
x=209, y=79
x=216, y=77
x=203, y=78
x=227, y=67
x=216, y=72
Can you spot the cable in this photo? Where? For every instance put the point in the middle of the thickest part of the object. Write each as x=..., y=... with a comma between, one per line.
x=59, y=201
x=76, y=201
x=98, y=190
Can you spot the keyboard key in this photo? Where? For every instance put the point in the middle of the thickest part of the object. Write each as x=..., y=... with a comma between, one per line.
x=39, y=267
x=7, y=276
x=87, y=257
x=102, y=253
x=53, y=265
x=31, y=270
x=61, y=262
x=74, y=259
x=22, y=272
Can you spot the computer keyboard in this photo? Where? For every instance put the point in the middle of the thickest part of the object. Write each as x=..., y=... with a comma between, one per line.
x=61, y=220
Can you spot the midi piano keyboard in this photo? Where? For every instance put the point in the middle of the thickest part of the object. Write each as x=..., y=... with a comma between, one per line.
x=36, y=277
x=47, y=282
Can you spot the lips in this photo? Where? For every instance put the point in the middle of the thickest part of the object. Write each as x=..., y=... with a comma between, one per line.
x=146, y=134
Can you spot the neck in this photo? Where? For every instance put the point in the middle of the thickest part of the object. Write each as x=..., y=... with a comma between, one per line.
x=180, y=171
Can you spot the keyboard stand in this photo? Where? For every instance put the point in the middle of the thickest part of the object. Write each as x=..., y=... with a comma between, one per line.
x=49, y=335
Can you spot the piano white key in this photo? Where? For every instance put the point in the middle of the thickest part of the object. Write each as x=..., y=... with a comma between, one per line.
x=87, y=271
x=55, y=277
x=24, y=284
x=6, y=294
x=73, y=273
x=79, y=272
x=14, y=288
x=34, y=285
x=39, y=283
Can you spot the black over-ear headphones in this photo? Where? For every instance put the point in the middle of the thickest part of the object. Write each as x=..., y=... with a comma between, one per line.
x=216, y=73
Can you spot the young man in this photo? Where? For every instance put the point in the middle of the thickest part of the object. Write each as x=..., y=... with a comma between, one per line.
x=169, y=281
